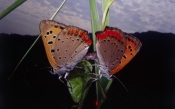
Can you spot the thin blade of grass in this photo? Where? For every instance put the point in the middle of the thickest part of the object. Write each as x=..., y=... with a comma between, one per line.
x=11, y=8
x=95, y=25
x=35, y=41
x=105, y=19
x=104, y=4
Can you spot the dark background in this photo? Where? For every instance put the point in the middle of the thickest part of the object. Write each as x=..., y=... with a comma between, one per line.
x=149, y=77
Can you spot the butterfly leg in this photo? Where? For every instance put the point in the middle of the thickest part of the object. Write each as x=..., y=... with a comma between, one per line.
x=52, y=71
x=60, y=78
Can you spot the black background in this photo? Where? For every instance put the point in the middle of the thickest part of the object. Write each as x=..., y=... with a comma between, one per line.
x=149, y=77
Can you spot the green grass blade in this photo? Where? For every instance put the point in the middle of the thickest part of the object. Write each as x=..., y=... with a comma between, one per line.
x=104, y=5
x=105, y=19
x=11, y=8
x=23, y=57
x=35, y=42
x=56, y=12
x=95, y=24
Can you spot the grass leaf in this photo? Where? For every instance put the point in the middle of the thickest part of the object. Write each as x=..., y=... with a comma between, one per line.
x=11, y=8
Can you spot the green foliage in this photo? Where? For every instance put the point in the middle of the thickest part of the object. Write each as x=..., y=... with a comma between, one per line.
x=79, y=81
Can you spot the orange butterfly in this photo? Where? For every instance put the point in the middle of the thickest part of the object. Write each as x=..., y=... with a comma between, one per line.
x=65, y=45
x=114, y=50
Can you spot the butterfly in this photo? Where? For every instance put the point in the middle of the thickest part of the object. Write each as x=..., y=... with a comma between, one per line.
x=65, y=46
x=114, y=50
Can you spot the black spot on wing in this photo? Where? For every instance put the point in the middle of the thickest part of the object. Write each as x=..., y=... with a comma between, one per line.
x=50, y=42
x=52, y=50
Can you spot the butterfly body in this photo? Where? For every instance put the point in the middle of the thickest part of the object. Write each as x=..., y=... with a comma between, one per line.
x=65, y=45
x=114, y=50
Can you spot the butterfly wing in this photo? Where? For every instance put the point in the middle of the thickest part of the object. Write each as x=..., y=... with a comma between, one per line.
x=133, y=45
x=70, y=47
x=49, y=30
x=110, y=47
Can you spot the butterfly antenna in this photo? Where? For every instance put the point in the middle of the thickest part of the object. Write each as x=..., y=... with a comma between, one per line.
x=121, y=83
x=23, y=58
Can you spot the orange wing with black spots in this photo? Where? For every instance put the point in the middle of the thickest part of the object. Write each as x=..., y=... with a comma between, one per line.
x=114, y=50
x=133, y=45
x=65, y=45
x=49, y=31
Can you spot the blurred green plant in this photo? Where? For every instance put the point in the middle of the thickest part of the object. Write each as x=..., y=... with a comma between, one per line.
x=11, y=8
